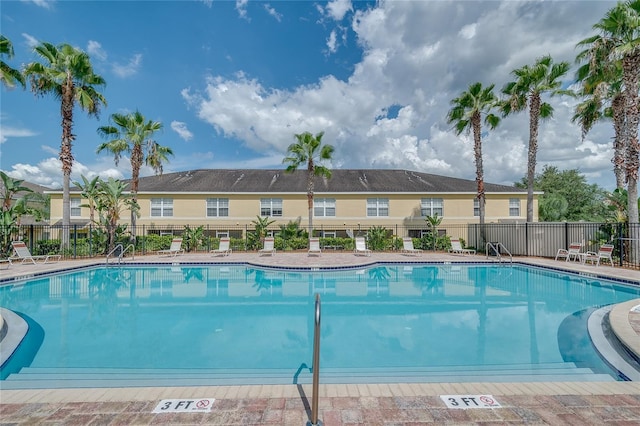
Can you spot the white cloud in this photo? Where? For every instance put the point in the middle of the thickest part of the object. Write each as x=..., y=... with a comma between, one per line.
x=271, y=11
x=7, y=132
x=95, y=50
x=181, y=129
x=129, y=69
x=337, y=9
x=331, y=42
x=30, y=40
x=241, y=7
x=46, y=4
x=418, y=56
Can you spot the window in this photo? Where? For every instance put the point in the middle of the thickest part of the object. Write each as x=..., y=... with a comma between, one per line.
x=377, y=207
x=75, y=207
x=217, y=207
x=476, y=207
x=514, y=207
x=432, y=207
x=324, y=207
x=161, y=207
x=271, y=207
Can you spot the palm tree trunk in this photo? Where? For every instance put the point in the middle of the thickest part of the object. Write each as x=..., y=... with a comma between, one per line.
x=310, y=174
x=66, y=157
x=534, y=118
x=630, y=65
x=477, y=148
x=137, y=156
x=617, y=107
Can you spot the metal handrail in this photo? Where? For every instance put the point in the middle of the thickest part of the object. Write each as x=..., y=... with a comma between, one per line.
x=316, y=364
x=497, y=249
x=122, y=252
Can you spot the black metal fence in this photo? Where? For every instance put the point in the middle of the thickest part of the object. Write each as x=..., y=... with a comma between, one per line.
x=520, y=239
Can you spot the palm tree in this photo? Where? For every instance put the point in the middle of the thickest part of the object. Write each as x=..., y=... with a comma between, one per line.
x=132, y=134
x=466, y=115
x=309, y=150
x=526, y=91
x=66, y=74
x=111, y=198
x=90, y=191
x=619, y=35
x=601, y=80
x=9, y=188
x=8, y=75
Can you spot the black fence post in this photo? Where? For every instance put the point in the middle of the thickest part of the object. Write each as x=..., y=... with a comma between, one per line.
x=621, y=240
x=75, y=241
x=31, y=234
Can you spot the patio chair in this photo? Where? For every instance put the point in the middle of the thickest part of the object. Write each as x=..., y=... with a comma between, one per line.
x=268, y=247
x=175, y=248
x=223, y=249
x=604, y=253
x=361, y=247
x=21, y=252
x=314, y=246
x=407, y=246
x=572, y=253
x=456, y=248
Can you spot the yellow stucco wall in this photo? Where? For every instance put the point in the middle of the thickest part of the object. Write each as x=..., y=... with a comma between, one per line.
x=351, y=209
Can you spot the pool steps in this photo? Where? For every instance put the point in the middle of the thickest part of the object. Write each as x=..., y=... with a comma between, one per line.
x=38, y=378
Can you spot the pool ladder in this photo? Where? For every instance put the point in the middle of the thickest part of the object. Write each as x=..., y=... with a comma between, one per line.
x=498, y=249
x=121, y=252
x=316, y=365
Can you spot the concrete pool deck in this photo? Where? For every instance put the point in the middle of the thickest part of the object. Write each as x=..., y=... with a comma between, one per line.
x=555, y=403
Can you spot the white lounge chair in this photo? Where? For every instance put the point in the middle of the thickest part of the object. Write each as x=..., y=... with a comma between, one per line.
x=572, y=253
x=314, y=246
x=605, y=253
x=175, y=248
x=223, y=249
x=21, y=252
x=361, y=247
x=407, y=246
x=268, y=247
x=456, y=247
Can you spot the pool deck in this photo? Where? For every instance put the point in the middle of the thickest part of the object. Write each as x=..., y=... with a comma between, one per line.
x=543, y=403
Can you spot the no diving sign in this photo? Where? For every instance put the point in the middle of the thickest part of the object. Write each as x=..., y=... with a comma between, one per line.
x=195, y=405
x=470, y=401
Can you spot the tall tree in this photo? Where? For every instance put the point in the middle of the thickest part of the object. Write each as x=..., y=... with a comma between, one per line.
x=619, y=35
x=8, y=75
x=567, y=196
x=526, y=92
x=466, y=115
x=67, y=74
x=133, y=134
x=309, y=150
x=601, y=81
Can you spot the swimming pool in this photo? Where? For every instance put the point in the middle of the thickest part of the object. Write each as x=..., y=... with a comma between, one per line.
x=235, y=324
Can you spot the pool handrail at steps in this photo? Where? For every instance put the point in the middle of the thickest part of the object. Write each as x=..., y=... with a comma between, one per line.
x=498, y=248
x=316, y=363
x=121, y=251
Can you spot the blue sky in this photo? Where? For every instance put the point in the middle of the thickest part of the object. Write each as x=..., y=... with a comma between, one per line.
x=233, y=81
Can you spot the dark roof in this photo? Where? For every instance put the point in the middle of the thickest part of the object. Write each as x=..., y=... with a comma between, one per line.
x=277, y=181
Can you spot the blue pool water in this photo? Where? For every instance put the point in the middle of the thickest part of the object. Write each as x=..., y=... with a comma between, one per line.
x=237, y=323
